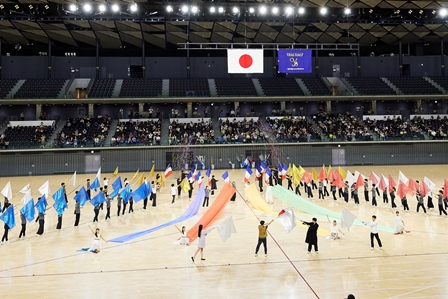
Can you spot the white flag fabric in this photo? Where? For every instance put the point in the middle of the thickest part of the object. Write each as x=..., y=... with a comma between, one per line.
x=27, y=197
x=98, y=175
x=73, y=179
x=287, y=219
x=25, y=189
x=245, y=61
x=402, y=177
x=429, y=183
x=350, y=178
x=347, y=218
x=357, y=174
x=7, y=192
x=45, y=189
x=226, y=228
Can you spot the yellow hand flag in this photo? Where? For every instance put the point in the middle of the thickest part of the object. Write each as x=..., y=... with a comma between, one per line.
x=315, y=175
x=289, y=172
x=329, y=170
x=342, y=172
x=161, y=180
x=136, y=174
x=141, y=179
x=115, y=174
x=295, y=175
x=185, y=185
x=152, y=172
x=301, y=171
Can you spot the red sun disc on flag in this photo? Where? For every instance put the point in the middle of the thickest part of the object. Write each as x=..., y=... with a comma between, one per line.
x=246, y=61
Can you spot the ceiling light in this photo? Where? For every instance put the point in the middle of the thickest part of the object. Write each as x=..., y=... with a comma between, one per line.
x=184, y=8
x=289, y=10
x=212, y=9
x=443, y=12
x=17, y=6
x=115, y=7
x=275, y=10
x=169, y=8
x=102, y=8
x=221, y=9
x=73, y=7
x=133, y=8
x=87, y=7
x=347, y=11
x=194, y=9
x=323, y=11
x=30, y=6
x=251, y=10
x=235, y=10
x=263, y=10
x=301, y=10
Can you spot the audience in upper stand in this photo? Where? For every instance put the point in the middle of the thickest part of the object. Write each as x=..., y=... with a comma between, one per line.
x=436, y=128
x=137, y=132
x=293, y=129
x=85, y=131
x=393, y=129
x=194, y=132
x=243, y=131
x=342, y=127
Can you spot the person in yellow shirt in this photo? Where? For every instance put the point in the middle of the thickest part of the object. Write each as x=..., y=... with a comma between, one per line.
x=262, y=237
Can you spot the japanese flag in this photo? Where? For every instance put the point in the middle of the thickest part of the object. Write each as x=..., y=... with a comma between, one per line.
x=245, y=61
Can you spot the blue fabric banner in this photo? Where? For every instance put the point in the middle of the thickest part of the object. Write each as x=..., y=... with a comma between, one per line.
x=189, y=212
x=295, y=61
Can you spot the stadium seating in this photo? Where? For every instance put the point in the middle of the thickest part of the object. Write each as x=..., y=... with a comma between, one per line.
x=435, y=127
x=342, y=127
x=280, y=87
x=137, y=132
x=140, y=88
x=83, y=132
x=240, y=87
x=394, y=129
x=102, y=88
x=6, y=86
x=413, y=85
x=26, y=136
x=316, y=86
x=191, y=131
x=40, y=88
x=370, y=86
x=195, y=87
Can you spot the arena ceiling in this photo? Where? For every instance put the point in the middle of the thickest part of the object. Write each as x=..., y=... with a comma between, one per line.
x=369, y=22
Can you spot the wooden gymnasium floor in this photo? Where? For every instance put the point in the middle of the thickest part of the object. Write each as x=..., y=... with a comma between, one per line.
x=410, y=266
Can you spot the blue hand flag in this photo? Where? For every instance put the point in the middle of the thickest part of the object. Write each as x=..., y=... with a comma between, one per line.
x=82, y=196
x=140, y=193
x=95, y=184
x=117, y=184
x=126, y=194
x=114, y=193
x=28, y=210
x=41, y=204
x=58, y=195
x=98, y=199
x=60, y=206
x=8, y=217
x=209, y=172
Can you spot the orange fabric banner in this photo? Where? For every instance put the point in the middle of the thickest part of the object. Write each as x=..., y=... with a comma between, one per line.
x=213, y=211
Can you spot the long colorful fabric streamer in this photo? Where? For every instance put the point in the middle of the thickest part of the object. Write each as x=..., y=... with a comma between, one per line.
x=213, y=211
x=189, y=212
x=257, y=202
x=311, y=208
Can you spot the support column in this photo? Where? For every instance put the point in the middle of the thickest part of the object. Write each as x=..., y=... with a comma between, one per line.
x=328, y=106
x=282, y=105
x=442, y=58
x=236, y=107
x=418, y=108
x=1, y=42
x=143, y=59
x=188, y=61
x=189, y=109
x=38, y=111
x=97, y=60
x=317, y=63
x=274, y=69
x=49, y=59
x=400, y=57
x=374, y=106
x=358, y=61
x=90, y=110
x=141, y=108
